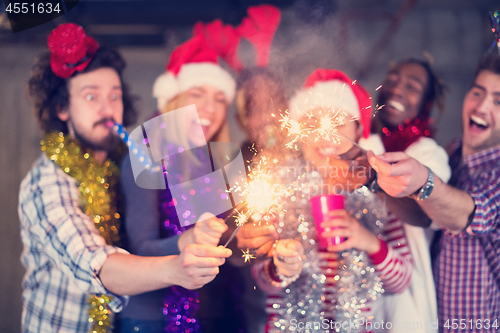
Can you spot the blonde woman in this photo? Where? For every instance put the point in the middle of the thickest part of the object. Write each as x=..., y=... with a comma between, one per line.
x=193, y=77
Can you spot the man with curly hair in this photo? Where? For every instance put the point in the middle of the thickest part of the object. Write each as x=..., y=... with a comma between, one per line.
x=76, y=275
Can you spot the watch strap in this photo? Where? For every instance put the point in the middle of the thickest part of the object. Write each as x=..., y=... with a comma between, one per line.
x=419, y=194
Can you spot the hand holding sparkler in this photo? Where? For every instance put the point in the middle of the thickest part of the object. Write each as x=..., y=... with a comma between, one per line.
x=263, y=196
x=257, y=237
x=398, y=174
x=287, y=258
x=207, y=231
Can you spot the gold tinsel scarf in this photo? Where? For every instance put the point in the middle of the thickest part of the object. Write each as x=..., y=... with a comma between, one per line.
x=96, y=184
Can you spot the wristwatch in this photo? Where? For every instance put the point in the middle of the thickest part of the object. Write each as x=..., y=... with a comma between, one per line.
x=426, y=190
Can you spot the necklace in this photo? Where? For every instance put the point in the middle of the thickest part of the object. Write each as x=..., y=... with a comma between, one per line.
x=96, y=186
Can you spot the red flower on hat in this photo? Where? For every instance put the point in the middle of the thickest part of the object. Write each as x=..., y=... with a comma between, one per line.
x=71, y=50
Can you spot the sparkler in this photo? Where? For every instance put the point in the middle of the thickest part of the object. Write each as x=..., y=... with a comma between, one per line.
x=352, y=141
x=294, y=129
x=263, y=196
x=322, y=126
x=328, y=127
x=247, y=255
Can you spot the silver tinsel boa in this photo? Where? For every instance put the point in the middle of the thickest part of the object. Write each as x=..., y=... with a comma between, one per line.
x=356, y=280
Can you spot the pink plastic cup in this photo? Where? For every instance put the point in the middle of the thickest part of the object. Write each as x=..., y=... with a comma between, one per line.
x=320, y=206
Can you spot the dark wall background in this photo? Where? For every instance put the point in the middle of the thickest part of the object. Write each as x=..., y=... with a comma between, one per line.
x=358, y=36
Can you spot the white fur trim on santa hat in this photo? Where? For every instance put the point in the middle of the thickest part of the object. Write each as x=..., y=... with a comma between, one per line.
x=193, y=75
x=197, y=74
x=164, y=89
x=334, y=94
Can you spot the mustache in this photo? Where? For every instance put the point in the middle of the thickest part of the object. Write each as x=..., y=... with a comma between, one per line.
x=103, y=121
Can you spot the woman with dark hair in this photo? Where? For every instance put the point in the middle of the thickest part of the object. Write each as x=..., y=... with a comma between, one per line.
x=260, y=99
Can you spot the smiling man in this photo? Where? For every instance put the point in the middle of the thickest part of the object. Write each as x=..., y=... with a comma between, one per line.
x=467, y=268
x=76, y=275
x=408, y=94
x=405, y=92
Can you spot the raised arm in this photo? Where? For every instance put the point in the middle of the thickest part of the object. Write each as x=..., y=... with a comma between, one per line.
x=430, y=154
x=400, y=175
x=197, y=265
x=52, y=219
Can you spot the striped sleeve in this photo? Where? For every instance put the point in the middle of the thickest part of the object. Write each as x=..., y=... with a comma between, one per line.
x=393, y=261
x=262, y=279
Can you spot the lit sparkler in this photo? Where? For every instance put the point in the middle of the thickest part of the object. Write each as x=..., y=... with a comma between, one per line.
x=241, y=219
x=322, y=126
x=327, y=128
x=247, y=255
x=262, y=197
x=294, y=129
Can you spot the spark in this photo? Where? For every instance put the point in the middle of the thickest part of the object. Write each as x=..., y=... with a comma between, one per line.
x=294, y=130
x=328, y=127
x=241, y=219
x=378, y=108
x=322, y=126
x=262, y=194
x=247, y=255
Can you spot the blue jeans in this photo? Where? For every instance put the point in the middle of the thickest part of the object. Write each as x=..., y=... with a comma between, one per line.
x=128, y=325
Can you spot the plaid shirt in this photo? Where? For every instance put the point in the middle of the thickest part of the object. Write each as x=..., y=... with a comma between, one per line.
x=467, y=269
x=63, y=253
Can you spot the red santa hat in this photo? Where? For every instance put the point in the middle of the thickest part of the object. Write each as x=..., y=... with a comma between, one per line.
x=330, y=88
x=192, y=64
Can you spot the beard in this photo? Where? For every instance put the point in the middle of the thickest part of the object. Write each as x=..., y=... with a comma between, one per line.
x=107, y=143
